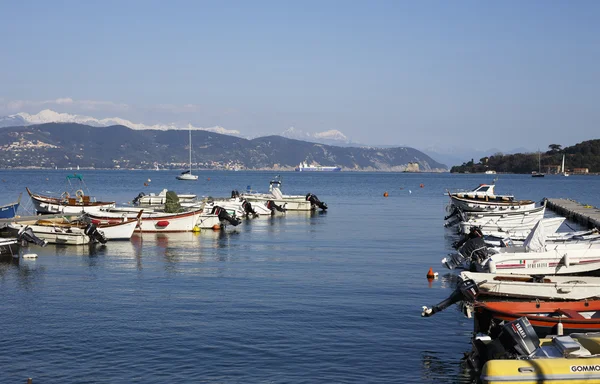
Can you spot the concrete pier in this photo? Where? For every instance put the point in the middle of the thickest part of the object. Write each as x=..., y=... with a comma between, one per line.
x=583, y=214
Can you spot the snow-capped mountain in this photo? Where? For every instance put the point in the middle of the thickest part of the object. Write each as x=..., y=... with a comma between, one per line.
x=331, y=137
x=49, y=116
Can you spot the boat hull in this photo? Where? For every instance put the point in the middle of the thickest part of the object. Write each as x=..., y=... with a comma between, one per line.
x=536, y=371
x=9, y=211
x=153, y=221
x=544, y=316
x=481, y=205
x=9, y=248
x=524, y=287
x=56, y=234
x=53, y=205
x=290, y=204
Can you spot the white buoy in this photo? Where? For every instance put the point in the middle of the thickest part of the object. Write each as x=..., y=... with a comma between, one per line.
x=559, y=329
x=492, y=266
x=30, y=256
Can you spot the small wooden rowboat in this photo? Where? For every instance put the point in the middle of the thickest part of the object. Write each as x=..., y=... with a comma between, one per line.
x=544, y=316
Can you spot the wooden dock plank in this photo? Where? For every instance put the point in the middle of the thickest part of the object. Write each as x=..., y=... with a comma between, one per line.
x=575, y=211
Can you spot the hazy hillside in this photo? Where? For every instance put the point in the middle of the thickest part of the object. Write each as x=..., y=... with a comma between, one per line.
x=71, y=145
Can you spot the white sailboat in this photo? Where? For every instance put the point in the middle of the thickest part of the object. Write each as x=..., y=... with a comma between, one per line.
x=187, y=175
x=564, y=171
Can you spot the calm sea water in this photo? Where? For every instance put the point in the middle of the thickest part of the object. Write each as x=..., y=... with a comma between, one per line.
x=329, y=297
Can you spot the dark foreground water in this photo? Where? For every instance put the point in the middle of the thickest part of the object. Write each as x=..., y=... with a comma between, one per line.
x=329, y=297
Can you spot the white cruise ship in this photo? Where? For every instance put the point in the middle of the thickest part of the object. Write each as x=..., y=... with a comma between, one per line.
x=304, y=167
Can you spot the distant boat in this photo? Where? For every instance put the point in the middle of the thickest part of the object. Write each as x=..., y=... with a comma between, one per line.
x=187, y=175
x=564, y=172
x=539, y=172
x=9, y=211
x=304, y=167
x=490, y=172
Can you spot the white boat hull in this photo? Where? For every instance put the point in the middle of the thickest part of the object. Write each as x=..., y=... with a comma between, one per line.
x=154, y=221
x=468, y=205
x=507, y=224
x=57, y=234
x=522, y=286
x=558, y=261
x=290, y=204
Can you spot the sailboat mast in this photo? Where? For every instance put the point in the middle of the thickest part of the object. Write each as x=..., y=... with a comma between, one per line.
x=190, y=150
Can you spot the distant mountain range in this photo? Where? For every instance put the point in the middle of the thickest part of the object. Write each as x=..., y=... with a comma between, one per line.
x=65, y=145
x=50, y=116
x=449, y=156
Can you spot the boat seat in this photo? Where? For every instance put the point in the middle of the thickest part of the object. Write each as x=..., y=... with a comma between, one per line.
x=570, y=347
x=85, y=199
x=72, y=201
x=571, y=314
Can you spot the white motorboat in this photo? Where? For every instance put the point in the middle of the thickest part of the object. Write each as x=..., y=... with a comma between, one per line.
x=63, y=228
x=535, y=287
x=240, y=207
x=161, y=198
x=289, y=202
x=11, y=240
x=63, y=234
x=483, y=199
x=151, y=221
x=187, y=175
x=535, y=256
x=508, y=223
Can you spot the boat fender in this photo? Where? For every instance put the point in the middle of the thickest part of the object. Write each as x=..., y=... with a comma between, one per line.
x=492, y=266
x=162, y=223
x=559, y=329
x=565, y=260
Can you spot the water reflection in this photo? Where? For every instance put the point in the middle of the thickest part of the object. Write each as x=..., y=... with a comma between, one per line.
x=437, y=368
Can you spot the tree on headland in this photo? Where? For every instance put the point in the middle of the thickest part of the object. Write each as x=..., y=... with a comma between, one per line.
x=554, y=148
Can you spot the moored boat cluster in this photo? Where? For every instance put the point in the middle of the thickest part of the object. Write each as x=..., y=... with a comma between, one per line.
x=526, y=285
x=76, y=218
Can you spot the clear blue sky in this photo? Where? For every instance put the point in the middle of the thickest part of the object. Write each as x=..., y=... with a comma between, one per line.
x=424, y=73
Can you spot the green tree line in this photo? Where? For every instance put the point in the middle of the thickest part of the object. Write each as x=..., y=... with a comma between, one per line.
x=583, y=155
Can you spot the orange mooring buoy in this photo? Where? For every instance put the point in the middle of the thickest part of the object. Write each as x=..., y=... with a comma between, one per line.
x=385, y=194
x=422, y=185
x=430, y=274
x=208, y=179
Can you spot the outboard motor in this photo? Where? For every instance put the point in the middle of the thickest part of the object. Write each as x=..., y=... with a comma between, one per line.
x=314, y=201
x=474, y=250
x=270, y=204
x=136, y=200
x=26, y=235
x=466, y=290
x=457, y=216
x=224, y=216
x=474, y=232
x=247, y=207
x=94, y=234
x=517, y=340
